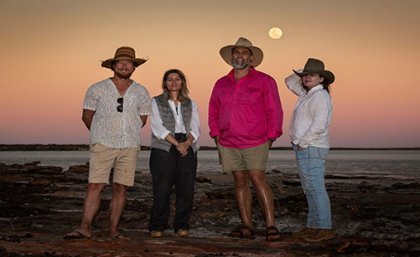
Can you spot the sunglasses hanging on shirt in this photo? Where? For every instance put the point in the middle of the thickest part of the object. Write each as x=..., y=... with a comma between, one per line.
x=120, y=106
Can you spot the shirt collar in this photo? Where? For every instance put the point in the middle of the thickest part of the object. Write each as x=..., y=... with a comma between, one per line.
x=251, y=73
x=316, y=88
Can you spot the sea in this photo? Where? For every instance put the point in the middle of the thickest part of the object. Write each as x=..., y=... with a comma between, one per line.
x=399, y=164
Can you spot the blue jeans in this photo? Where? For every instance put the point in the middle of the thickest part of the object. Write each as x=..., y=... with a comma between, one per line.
x=310, y=162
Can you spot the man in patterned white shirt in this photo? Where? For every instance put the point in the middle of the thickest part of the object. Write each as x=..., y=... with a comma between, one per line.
x=114, y=110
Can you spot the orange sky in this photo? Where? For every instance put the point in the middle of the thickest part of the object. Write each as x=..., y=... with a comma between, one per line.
x=51, y=52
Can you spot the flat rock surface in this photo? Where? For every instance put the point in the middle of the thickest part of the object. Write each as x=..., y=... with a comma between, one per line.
x=373, y=216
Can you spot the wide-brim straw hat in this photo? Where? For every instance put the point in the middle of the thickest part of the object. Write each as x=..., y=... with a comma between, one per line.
x=257, y=53
x=124, y=53
x=316, y=66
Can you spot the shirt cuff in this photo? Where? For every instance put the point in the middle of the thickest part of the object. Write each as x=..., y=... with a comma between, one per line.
x=296, y=143
x=194, y=136
x=292, y=79
x=214, y=134
x=163, y=136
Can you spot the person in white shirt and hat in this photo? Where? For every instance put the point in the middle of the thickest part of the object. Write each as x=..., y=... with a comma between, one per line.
x=309, y=133
x=114, y=111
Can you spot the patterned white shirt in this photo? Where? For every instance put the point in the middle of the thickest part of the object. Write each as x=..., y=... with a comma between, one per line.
x=110, y=127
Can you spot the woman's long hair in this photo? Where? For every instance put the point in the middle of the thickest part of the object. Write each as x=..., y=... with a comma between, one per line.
x=326, y=86
x=183, y=92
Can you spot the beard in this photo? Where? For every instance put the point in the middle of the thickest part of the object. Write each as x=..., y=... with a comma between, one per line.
x=123, y=75
x=239, y=64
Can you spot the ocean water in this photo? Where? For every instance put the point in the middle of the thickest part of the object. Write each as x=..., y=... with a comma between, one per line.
x=397, y=163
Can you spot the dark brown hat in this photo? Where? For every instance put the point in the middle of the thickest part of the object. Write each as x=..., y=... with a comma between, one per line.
x=124, y=53
x=316, y=66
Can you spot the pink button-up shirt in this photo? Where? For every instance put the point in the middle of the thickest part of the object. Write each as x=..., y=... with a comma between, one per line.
x=245, y=113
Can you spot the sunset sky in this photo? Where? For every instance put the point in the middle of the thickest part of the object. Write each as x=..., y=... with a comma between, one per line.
x=51, y=53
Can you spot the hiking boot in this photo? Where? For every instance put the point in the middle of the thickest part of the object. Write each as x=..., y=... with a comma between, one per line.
x=320, y=235
x=182, y=233
x=156, y=234
x=306, y=232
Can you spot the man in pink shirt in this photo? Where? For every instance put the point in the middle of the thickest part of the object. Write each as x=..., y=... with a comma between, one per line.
x=245, y=118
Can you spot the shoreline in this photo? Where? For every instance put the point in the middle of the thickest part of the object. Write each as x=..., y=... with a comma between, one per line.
x=85, y=147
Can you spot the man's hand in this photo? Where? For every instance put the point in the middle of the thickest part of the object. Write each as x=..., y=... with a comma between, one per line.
x=87, y=117
x=216, y=140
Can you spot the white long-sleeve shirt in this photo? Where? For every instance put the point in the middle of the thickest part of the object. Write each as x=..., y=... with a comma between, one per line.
x=161, y=131
x=311, y=117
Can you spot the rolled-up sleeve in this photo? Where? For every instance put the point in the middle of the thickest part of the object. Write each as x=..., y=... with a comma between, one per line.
x=195, y=122
x=91, y=100
x=293, y=83
x=144, y=102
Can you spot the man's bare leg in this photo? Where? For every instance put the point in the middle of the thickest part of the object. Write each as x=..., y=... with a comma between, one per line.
x=243, y=197
x=264, y=195
x=119, y=198
x=90, y=208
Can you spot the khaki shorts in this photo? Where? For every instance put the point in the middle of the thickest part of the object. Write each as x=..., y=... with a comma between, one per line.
x=236, y=159
x=103, y=158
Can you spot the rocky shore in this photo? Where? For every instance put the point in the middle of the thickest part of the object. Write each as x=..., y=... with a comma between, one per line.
x=373, y=216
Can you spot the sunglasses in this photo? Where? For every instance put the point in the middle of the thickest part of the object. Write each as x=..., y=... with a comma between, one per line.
x=120, y=107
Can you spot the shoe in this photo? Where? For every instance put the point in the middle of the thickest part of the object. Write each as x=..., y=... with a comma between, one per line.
x=243, y=231
x=156, y=233
x=182, y=233
x=306, y=232
x=320, y=235
x=272, y=234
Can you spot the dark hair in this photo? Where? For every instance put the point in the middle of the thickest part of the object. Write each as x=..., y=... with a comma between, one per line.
x=183, y=92
x=326, y=86
x=112, y=65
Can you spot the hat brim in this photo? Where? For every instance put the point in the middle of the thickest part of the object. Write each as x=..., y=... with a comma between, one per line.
x=328, y=75
x=257, y=53
x=137, y=62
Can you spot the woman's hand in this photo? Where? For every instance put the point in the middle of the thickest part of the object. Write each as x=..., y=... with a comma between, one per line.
x=299, y=148
x=183, y=148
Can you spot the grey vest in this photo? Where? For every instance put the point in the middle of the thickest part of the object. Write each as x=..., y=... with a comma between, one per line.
x=168, y=120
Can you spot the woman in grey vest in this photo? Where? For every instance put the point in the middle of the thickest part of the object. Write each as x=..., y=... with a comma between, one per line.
x=173, y=159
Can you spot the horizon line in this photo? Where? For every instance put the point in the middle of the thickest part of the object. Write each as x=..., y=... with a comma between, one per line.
x=75, y=147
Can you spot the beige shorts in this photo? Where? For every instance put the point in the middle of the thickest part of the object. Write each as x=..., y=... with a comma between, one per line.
x=253, y=158
x=103, y=158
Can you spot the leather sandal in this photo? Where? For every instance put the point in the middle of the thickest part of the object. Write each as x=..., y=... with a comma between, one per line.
x=272, y=234
x=243, y=232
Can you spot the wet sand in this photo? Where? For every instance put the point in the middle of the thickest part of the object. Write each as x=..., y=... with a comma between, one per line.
x=373, y=216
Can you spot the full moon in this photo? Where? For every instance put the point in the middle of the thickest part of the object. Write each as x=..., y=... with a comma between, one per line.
x=275, y=33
